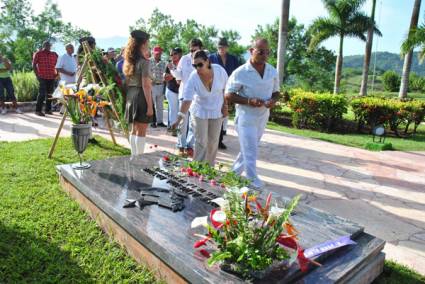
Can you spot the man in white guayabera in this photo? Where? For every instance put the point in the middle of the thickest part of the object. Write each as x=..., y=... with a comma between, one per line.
x=67, y=65
x=254, y=88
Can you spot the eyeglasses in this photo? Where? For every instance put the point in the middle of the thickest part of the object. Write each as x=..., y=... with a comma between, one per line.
x=199, y=65
x=263, y=51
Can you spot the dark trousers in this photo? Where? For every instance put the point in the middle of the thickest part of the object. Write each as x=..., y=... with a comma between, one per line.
x=46, y=89
x=220, y=141
x=7, y=85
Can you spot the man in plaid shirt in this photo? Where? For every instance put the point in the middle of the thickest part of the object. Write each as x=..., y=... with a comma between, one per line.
x=44, y=63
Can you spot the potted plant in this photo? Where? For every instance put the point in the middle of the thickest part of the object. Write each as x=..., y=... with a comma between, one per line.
x=249, y=238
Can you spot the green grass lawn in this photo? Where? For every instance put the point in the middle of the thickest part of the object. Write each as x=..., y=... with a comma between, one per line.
x=46, y=238
x=415, y=143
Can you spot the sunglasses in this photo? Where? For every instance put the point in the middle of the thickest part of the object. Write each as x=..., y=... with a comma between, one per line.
x=199, y=65
x=263, y=51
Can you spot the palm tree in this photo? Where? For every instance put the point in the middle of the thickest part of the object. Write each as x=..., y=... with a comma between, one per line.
x=413, y=38
x=345, y=20
x=283, y=36
x=368, y=53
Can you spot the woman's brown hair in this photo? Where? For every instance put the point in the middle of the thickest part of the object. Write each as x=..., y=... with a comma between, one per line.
x=132, y=52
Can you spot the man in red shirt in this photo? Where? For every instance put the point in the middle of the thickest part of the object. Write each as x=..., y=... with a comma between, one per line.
x=44, y=63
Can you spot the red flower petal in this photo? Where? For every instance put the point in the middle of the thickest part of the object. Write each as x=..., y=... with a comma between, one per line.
x=201, y=243
x=166, y=158
x=302, y=260
x=216, y=224
x=269, y=199
x=204, y=252
x=213, y=182
x=287, y=241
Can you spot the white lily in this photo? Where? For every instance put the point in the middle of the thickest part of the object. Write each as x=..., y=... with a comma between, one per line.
x=219, y=216
x=223, y=203
x=274, y=213
x=244, y=190
x=199, y=221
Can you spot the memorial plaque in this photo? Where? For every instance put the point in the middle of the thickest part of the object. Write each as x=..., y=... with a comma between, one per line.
x=164, y=240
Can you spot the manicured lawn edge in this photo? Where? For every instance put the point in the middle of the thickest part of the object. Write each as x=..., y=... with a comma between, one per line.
x=44, y=235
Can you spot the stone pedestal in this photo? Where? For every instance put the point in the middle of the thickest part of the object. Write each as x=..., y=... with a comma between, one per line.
x=164, y=240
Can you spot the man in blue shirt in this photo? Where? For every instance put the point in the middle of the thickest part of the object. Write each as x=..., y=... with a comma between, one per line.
x=229, y=63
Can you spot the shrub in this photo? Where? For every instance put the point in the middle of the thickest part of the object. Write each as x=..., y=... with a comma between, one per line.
x=392, y=113
x=391, y=81
x=321, y=111
x=416, y=83
x=26, y=86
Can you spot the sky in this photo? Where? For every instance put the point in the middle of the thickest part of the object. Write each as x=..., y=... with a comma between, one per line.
x=110, y=20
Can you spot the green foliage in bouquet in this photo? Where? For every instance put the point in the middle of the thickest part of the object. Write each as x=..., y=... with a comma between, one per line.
x=247, y=239
x=77, y=112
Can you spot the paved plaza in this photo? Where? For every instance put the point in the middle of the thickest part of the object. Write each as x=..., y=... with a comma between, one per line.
x=384, y=191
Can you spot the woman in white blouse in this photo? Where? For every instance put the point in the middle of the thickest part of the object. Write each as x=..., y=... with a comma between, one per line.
x=204, y=95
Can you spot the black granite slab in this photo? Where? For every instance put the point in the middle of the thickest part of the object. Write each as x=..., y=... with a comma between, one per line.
x=108, y=183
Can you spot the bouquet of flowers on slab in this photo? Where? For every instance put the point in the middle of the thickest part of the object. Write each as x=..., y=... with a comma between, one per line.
x=206, y=173
x=249, y=238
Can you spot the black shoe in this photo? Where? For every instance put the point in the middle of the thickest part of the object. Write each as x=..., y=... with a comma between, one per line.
x=161, y=125
x=153, y=125
x=222, y=146
x=39, y=113
x=49, y=112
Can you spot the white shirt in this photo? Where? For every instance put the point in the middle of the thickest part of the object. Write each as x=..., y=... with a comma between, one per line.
x=183, y=71
x=68, y=63
x=206, y=104
x=247, y=82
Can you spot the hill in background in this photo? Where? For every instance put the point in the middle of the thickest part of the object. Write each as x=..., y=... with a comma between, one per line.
x=385, y=61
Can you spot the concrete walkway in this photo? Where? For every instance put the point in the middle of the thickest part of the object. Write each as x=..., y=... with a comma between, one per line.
x=384, y=192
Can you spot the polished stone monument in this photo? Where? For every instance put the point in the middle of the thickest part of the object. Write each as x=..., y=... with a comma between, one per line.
x=164, y=240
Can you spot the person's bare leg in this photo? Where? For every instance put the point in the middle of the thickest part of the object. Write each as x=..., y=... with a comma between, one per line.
x=139, y=137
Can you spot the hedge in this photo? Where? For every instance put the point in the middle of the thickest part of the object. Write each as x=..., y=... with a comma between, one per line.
x=392, y=113
x=323, y=111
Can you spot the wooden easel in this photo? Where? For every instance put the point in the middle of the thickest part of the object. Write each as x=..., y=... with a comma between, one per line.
x=97, y=78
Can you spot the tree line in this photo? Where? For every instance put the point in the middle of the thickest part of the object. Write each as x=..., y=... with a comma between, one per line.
x=307, y=64
x=22, y=32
